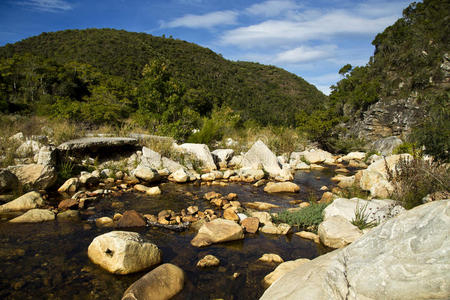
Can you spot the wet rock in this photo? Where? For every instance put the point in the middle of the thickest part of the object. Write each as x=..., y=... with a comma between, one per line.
x=8, y=181
x=251, y=224
x=67, y=204
x=147, y=174
x=260, y=154
x=309, y=236
x=25, y=202
x=263, y=217
x=68, y=215
x=271, y=228
x=202, y=153
x=179, y=176
x=212, y=195
x=123, y=252
x=260, y=205
x=230, y=214
x=104, y=222
x=217, y=231
x=338, y=232
x=161, y=283
x=282, y=269
x=271, y=258
x=208, y=261
x=35, y=215
x=281, y=187
x=70, y=186
x=131, y=218
x=151, y=191
x=35, y=176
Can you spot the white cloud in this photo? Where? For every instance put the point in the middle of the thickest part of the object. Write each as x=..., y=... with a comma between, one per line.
x=275, y=32
x=323, y=88
x=208, y=20
x=272, y=8
x=48, y=5
x=305, y=54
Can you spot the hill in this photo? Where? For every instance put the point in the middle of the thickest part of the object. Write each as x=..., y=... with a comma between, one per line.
x=57, y=72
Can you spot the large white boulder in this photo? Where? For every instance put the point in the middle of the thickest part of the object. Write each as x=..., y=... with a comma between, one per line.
x=317, y=156
x=35, y=176
x=151, y=159
x=338, y=232
x=408, y=257
x=282, y=269
x=123, y=252
x=260, y=154
x=353, y=156
x=202, y=153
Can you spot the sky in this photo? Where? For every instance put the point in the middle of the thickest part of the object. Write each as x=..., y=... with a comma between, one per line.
x=311, y=38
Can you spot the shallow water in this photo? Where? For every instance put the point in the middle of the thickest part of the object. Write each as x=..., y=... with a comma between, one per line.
x=49, y=260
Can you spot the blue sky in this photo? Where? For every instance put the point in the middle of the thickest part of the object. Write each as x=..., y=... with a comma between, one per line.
x=311, y=38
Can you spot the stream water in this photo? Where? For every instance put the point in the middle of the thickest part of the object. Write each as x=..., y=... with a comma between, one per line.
x=49, y=260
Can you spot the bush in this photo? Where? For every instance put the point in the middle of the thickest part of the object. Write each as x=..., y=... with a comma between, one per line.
x=415, y=178
x=406, y=147
x=361, y=219
x=307, y=218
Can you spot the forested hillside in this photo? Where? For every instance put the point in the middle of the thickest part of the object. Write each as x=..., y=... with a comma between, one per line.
x=97, y=75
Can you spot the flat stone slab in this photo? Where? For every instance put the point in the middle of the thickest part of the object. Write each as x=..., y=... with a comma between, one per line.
x=97, y=142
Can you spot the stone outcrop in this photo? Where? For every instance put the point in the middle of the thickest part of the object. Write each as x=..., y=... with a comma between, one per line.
x=405, y=258
x=35, y=215
x=95, y=143
x=161, y=283
x=338, y=232
x=217, y=231
x=25, y=202
x=123, y=252
x=259, y=154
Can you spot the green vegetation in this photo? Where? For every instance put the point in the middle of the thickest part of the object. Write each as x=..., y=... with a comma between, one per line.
x=361, y=219
x=306, y=218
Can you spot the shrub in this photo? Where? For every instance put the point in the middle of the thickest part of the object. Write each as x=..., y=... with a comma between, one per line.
x=361, y=219
x=415, y=178
x=406, y=147
x=307, y=218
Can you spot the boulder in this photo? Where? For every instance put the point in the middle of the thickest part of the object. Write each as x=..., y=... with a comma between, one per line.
x=222, y=157
x=171, y=165
x=68, y=215
x=208, y=261
x=263, y=217
x=260, y=205
x=385, y=146
x=68, y=203
x=250, y=224
x=25, y=202
x=8, y=181
x=217, y=231
x=375, y=210
x=346, y=182
x=405, y=258
x=235, y=162
x=202, y=153
x=123, y=252
x=179, y=176
x=353, y=156
x=162, y=283
x=35, y=176
x=28, y=149
x=47, y=156
x=230, y=214
x=317, y=156
x=338, y=232
x=146, y=174
x=104, y=222
x=151, y=159
x=271, y=258
x=309, y=236
x=95, y=143
x=281, y=187
x=131, y=218
x=282, y=269
x=258, y=154
x=151, y=191
x=70, y=186
x=271, y=228
x=251, y=174
x=35, y=215
x=297, y=162
x=375, y=178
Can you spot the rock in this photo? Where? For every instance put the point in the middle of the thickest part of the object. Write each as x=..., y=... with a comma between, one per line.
x=47, y=156
x=251, y=174
x=106, y=173
x=217, y=231
x=250, y=224
x=208, y=261
x=316, y=167
x=230, y=214
x=271, y=258
x=222, y=157
x=123, y=252
x=25, y=202
x=271, y=228
x=404, y=258
x=346, y=182
x=375, y=178
x=258, y=154
x=171, y=165
x=260, y=205
x=161, y=283
x=35, y=176
x=179, y=176
x=68, y=215
x=68, y=203
x=131, y=218
x=317, y=156
x=282, y=269
x=297, y=162
x=151, y=191
x=212, y=195
x=192, y=210
x=18, y=137
x=263, y=217
x=70, y=186
x=90, y=178
x=104, y=222
x=35, y=215
x=353, y=156
x=28, y=149
x=281, y=187
x=327, y=197
x=338, y=232
x=151, y=159
x=147, y=174
x=436, y=196
x=8, y=181
x=202, y=153
x=95, y=143
x=309, y=236
x=208, y=177
x=235, y=162
x=385, y=146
